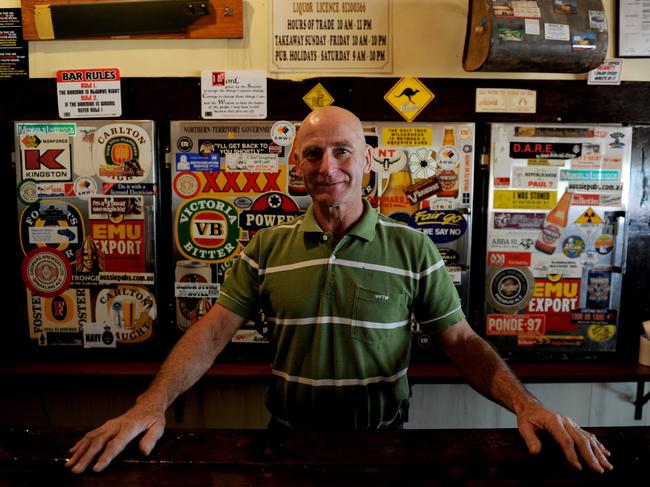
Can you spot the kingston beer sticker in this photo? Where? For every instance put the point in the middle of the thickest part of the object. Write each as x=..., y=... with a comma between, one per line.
x=207, y=229
x=122, y=153
x=45, y=156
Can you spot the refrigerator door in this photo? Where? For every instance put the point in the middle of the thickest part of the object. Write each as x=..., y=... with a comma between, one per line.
x=87, y=209
x=556, y=236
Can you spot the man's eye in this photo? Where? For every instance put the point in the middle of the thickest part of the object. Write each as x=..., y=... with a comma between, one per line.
x=312, y=155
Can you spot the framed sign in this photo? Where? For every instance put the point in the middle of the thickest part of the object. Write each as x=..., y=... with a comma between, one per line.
x=633, y=38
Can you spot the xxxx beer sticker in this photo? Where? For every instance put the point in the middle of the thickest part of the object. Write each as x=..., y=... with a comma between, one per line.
x=46, y=272
x=52, y=224
x=207, y=229
x=130, y=310
x=67, y=312
x=122, y=153
x=45, y=156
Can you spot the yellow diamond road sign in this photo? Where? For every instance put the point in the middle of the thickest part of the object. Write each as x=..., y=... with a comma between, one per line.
x=409, y=96
x=318, y=97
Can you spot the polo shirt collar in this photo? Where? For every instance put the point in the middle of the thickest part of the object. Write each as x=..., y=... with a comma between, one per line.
x=364, y=228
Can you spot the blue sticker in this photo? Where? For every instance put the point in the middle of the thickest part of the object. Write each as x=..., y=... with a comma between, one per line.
x=441, y=226
x=198, y=163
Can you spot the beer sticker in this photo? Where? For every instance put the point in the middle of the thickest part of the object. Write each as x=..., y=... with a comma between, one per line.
x=509, y=289
x=54, y=224
x=268, y=210
x=386, y=160
x=122, y=153
x=28, y=191
x=207, y=229
x=186, y=185
x=67, y=312
x=45, y=156
x=130, y=309
x=46, y=272
x=556, y=299
x=237, y=183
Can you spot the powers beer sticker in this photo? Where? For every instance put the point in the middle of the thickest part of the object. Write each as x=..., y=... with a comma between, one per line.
x=122, y=153
x=268, y=210
x=207, y=229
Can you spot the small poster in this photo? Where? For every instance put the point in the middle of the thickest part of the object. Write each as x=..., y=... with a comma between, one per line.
x=233, y=94
x=89, y=93
x=13, y=49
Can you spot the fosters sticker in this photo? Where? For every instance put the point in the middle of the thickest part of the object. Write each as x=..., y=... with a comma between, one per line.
x=54, y=224
x=207, y=229
x=66, y=312
x=122, y=153
x=130, y=310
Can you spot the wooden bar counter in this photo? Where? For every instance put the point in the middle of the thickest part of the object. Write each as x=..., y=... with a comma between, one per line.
x=259, y=457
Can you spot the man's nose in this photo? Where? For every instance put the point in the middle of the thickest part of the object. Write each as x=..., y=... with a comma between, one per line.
x=327, y=163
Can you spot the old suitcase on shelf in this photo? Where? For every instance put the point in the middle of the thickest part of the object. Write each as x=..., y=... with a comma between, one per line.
x=561, y=36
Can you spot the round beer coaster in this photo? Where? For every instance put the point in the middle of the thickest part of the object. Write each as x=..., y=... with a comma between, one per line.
x=509, y=289
x=186, y=185
x=28, y=191
x=46, y=272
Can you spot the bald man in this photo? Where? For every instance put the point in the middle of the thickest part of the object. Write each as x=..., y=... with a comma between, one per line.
x=339, y=285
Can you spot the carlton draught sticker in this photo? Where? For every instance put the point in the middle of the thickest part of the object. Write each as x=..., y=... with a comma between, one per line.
x=130, y=310
x=207, y=229
x=122, y=153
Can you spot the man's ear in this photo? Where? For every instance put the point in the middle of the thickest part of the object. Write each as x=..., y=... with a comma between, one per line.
x=367, y=159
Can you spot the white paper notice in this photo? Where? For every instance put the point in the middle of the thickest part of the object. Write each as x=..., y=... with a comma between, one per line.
x=505, y=100
x=557, y=32
x=89, y=93
x=633, y=21
x=531, y=26
x=608, y=73
x=233, y=94
x=332, y=36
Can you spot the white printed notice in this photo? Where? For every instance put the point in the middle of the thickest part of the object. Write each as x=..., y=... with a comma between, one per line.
x=350, y=36
x=89, y=93
x=233, y=94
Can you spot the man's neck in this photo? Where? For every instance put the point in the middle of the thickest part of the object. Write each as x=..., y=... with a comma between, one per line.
x=338, y=219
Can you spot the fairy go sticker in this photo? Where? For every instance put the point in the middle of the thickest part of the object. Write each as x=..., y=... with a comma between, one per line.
x=207, y=229
x=441, y=226
x=122, y=153
x=54, y=224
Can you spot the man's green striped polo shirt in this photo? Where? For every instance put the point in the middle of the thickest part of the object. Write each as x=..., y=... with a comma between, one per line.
x=341, y=314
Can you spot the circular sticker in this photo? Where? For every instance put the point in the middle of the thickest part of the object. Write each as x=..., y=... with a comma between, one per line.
x=46, y=272
x=450, y=256
x=84, y=187
x=422, y=163
x=186, y=185
x=122, y=153
x=283, y=133
x=54, y=224
x=509, y=289
x=130, y=309
x=604, y=244
x=387, y=160
x=184, y=144
x=207, y=229
x=573, y=246
x=601, y=333
x=28, y=191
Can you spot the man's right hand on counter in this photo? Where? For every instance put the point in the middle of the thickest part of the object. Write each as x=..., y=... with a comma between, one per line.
x=114, y=435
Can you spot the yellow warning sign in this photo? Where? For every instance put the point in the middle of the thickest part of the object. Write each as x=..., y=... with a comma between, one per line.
x=590, y=216
x=409, y=96
x=318, y=97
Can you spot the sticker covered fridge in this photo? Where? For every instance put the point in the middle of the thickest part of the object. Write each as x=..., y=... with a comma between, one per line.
x=556, y=236
x=87, y=206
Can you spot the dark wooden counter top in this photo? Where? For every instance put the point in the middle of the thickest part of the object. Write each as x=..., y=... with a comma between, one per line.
x=257, y=457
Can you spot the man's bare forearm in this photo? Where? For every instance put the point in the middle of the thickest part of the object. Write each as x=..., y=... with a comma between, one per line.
x=191, y=357
x=486, y=372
